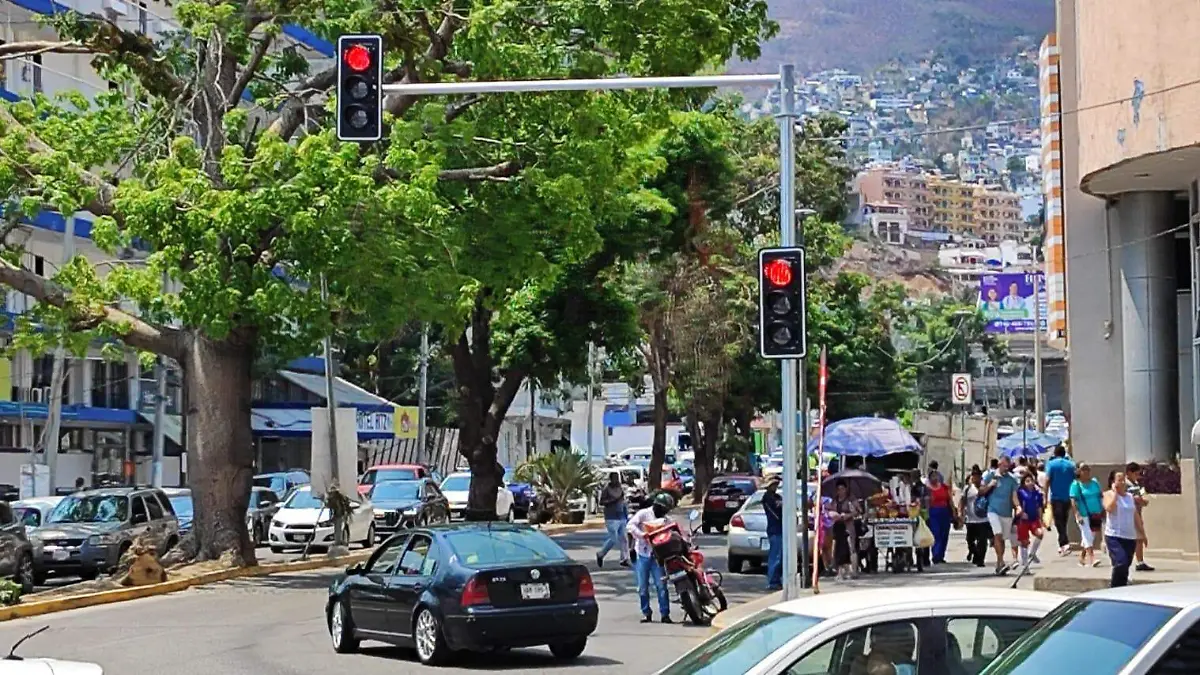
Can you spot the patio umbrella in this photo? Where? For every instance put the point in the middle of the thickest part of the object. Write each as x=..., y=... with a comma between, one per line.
x=861, y=484
x=1026, y=444
x=866, y=437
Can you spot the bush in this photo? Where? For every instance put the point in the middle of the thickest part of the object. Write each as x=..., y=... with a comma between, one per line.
x=1161, y=479
x=559, y=477
x=10, y=592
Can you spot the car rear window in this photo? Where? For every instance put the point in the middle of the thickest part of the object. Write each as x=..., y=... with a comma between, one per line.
x=487, y=547
x=743, y=487
x=742, y=646
x=1097, y=637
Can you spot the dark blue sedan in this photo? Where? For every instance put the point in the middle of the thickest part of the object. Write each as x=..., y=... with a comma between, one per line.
x=465, y=586
x=522, y=493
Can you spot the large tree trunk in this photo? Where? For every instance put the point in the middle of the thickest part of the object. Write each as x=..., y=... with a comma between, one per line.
x=706, y=451
x=658, y=449
x=218, y=375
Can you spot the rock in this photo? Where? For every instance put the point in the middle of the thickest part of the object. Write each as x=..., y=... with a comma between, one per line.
x=139, y=565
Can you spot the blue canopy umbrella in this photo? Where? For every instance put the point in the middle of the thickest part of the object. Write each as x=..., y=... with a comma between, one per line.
x=1026, y=443
x=866, y=437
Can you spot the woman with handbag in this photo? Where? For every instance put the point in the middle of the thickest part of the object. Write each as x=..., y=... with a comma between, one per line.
x=1087, y=497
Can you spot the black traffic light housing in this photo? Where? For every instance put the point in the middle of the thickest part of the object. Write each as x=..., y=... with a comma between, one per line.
x=782, y=326
x=359, y=98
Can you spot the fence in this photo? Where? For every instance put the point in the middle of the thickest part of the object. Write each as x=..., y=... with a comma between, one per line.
x=441, y=451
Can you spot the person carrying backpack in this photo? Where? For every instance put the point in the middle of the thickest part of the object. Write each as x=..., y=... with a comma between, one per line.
x=974, y=510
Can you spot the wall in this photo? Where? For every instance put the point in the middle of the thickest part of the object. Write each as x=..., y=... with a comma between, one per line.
x=1171, y=520
x=942, y=432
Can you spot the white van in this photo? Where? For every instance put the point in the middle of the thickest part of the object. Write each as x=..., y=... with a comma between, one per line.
x=639, y=455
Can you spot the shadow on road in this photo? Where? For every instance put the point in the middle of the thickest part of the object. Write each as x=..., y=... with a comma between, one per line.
x=517, y=659
x=283, y=582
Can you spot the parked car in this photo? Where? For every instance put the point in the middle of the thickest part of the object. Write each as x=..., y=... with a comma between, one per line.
x=181, y=503
x=303, y=518
x=404, y=504
x=283, y=482
x=1134, y=630
x=263, y=505
x=88, y=531
x=33, y=513
x=466, y=586
x=725, y=497
x=671, y=482
x=522, y=493
x=687, y=473
x=946, y=629
x=747, y=539
x=16, y=551
x=388, y=472
x=456, y=486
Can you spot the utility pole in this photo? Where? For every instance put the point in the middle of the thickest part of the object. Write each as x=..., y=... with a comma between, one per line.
x=532, y=449
x=339, y=529
x=591, y=396
x=160, y=414
x=1037, y=348
x=423, y=393
x=58, y=376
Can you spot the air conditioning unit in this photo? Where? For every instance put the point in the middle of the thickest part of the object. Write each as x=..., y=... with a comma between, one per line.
x=38, y=394
x=117, y=7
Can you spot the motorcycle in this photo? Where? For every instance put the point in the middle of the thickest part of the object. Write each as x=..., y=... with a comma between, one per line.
x=698, y=587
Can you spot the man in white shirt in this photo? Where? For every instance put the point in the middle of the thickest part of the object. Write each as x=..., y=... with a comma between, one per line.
x=646, y=567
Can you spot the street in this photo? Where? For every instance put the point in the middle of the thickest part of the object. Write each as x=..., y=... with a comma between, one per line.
x=274, y=626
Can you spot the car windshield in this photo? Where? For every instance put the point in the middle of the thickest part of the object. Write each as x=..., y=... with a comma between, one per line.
x=275, y=483
x=28, y=516
x=742, y=646
x=303, y=499
x=91, y=509
x=459, y=483
x=490, y=547
x=1097, y=637
x=382, y=475
x=182, y=505
x=396, y=490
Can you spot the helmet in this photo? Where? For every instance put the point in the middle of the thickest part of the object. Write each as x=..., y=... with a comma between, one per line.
x=663, y=500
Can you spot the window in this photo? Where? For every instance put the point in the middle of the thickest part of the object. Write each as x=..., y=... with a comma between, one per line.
x=6, y=514
x=37, y=73
x=429, y=567
x=1184, y=656
x=413, y=561
x=153, y=507
x=973, y=642
x=744, y=645
x=138, y=511
x=865, y=650
x=385, y=560
x=91, y=509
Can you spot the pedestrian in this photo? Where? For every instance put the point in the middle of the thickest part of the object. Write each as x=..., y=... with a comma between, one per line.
x=1087, y=498
x=941, y=515
x=773, y=508
x=1001, y=492
x=993, y=467
x=1029, y=522
x=1133, y=479
x=616, y=516
x=79, y=484
x=647, y=570
x=845, y=534
x=1121, y=529
x=979, y=532
x=933, y=471
x=1060, y=473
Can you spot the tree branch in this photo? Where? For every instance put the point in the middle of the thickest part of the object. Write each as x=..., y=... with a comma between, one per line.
x=248, y=73
x=16, y=50
x=136, y=332
x=510, y=384
x=501, y=171
x=456, y=110
x=292, y=114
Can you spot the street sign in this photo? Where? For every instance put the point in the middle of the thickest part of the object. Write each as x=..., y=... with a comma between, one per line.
x=960, y=389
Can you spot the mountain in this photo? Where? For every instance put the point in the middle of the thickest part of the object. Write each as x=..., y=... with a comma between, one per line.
x=860, y=35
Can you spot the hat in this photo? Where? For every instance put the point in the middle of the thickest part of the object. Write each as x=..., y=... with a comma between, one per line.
x=773, y=480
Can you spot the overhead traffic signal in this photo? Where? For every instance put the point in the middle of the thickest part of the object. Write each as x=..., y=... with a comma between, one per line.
x=359, y=99
x=781, y=303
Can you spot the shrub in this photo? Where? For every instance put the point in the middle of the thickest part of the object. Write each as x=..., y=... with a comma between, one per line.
x=1161, y=479
x=10, y=592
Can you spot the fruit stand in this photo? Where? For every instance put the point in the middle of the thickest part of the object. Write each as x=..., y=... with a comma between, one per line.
x=892, y=529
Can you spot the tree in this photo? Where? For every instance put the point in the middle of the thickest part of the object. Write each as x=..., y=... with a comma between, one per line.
x=247, y=209
x=941, y=338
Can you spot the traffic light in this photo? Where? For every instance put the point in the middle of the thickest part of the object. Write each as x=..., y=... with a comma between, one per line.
x=781, y=303
x=359, y=100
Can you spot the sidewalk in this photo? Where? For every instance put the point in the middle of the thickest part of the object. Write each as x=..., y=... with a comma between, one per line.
x=1064, y=575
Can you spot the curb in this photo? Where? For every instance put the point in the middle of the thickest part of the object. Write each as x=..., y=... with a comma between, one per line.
x=1076, y=585
x=40, y=607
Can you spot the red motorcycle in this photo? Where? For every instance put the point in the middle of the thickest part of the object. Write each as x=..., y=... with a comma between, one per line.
x=698, y=587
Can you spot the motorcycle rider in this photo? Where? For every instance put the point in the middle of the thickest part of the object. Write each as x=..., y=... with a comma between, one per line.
x=646, y=567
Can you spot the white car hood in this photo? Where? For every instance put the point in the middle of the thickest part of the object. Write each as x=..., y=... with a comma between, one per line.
x=31, y=666
x=299, y=517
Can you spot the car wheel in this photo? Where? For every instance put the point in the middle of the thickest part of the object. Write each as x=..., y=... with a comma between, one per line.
x=89, y=574
x=171, y=543
x=427, y=634
x=25, y=575
x=341, y=629
x=736, y=563
x=370, y=540
x=568, y=650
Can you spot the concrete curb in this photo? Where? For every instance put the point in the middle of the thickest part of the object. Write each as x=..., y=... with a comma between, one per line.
x=40, y=607
x=1077, y=585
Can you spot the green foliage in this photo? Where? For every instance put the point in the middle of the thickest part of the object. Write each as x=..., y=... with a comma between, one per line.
x=10, y=592
x=562, y=476
x=938, y=337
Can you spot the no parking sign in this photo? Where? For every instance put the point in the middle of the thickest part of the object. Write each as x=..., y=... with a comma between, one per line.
x=960, y=389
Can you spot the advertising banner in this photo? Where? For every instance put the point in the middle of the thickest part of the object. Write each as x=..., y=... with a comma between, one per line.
x=1007, y=301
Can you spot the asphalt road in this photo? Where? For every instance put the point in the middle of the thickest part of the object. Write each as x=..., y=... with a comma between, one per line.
x=274, y=626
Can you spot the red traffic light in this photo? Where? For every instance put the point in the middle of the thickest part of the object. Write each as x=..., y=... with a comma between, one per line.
x=778, y=272
x=358, y=58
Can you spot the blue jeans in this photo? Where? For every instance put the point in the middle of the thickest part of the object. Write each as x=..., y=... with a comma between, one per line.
x=775, y=561
x=648, y=572
x=939, y=524
x=616, y=538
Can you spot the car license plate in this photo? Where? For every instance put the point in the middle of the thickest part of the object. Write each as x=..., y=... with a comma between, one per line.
x=60, y=554
x=766, y=544
x=535, y=591
x=299, y=537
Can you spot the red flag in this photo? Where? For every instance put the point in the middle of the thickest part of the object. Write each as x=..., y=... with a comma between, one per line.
x=822, y=383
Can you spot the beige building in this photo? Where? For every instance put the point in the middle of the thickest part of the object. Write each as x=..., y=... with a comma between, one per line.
x=938, y=204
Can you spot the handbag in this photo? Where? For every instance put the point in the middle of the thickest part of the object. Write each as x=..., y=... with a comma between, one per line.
x=924, y=538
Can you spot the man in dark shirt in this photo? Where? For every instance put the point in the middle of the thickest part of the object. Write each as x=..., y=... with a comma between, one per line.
x=616, y=515
x=773, y=508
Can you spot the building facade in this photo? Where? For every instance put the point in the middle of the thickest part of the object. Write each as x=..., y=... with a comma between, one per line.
x=1130, y=166
x=1053, y=248
x=938, y=204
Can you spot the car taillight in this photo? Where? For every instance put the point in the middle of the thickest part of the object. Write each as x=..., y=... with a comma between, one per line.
x=737, y=521
x=475, y=593
x=586, y=588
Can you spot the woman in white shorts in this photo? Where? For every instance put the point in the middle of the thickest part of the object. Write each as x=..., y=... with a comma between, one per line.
x=1087, y=498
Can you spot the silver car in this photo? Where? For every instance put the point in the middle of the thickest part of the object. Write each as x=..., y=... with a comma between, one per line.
x=747, y=540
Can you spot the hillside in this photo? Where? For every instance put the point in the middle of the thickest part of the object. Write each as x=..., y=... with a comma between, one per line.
x=859, y=35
